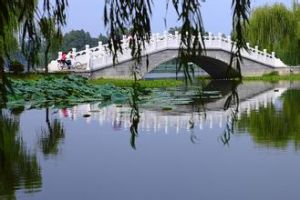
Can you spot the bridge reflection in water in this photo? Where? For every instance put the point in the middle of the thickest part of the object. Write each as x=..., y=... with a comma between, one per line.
x=153, y=121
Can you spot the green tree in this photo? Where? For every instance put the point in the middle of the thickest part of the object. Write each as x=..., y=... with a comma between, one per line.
x=51, y=38
x=276, y=28
x=172, y=30
x=78, y=39
x=24, y=16
x=103, y=38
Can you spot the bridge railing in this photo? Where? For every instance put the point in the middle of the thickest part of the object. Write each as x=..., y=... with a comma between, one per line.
x=100, y=56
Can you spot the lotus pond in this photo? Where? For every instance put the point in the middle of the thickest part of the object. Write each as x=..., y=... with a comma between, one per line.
x=69, y=139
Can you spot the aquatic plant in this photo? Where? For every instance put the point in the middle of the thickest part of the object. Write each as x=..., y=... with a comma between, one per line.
x=61, y=92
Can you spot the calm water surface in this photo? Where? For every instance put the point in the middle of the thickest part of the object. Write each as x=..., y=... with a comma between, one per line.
x=195, y=151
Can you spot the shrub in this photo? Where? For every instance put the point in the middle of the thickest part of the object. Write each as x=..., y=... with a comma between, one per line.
x=274, y=73
x=16, y=67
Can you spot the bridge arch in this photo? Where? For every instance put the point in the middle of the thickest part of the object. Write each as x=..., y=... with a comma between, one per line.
x=215, y=67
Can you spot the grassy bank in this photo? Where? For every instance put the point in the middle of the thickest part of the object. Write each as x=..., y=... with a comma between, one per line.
x=273, y=77
x=34, y=76
x=117, y=82
x=144, y=83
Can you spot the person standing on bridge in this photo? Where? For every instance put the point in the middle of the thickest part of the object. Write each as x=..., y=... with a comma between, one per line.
x=70, y=59
x=63, y=59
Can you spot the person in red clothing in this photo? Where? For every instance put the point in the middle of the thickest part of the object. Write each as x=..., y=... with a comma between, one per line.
x=64, y=60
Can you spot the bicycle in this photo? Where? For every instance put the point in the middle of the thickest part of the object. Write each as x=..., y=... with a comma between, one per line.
x=67, y=65
x=63, y=64
x=78, y=66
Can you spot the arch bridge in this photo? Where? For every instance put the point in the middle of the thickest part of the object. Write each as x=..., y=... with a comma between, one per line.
x=98, y=61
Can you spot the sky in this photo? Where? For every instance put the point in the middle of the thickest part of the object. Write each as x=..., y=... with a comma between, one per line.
x=216, y=14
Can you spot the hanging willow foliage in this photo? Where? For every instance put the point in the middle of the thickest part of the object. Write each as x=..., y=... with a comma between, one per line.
x=25, y=17
x=120, y=14
x=277, y=29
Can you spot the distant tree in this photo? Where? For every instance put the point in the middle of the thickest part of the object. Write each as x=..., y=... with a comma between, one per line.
x=78, y=39
x=51, y=38
x=103, y=38
x=172, y=30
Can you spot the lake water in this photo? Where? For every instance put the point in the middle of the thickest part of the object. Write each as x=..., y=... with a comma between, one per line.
x=197, y=150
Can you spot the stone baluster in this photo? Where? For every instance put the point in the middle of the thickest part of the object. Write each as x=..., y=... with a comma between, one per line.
x=73, y=56
x=100, y=47
x=88, y=54
x=256, y=51
x=228, y=38
x=220, y=39
x=265, y=54
x=210, y=36
x=166, y=38
x=155, y=40
x=74, y=50
x=177, y=38
x=101, y=50
x=248, y=47
x=124, y=42
x=273, y=54
x=59, y=55
x=273, y=58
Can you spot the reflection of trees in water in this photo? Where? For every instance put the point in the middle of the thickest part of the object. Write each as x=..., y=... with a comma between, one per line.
x=272, y=127
x=51, y=136
x=232, y=104
x=134, y=114
x=18, y=168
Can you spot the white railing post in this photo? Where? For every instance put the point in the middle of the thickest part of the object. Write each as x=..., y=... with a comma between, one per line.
x=100, y=46
x=273, y=54
x=166, y=38
x=256, y=51
x=74, y=50
x=228, y=38
x=220, y=39
x=59, y=55
x=210, y=38
x=265, y=54
x=229, y=41
x=124, y=41
x=87, y=51
x=155, y=37
x=177, y=38
x=87, y=48
x=248, y=45
x=73, y=55
x=273, y=58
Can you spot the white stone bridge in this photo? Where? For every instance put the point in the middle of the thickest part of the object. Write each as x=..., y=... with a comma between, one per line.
x=98, y=61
